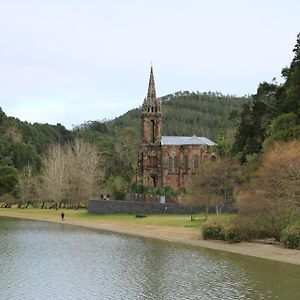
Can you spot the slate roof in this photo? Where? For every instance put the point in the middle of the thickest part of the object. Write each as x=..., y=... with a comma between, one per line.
x=186, y=140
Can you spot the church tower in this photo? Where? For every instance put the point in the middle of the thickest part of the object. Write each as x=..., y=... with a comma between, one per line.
x=151, y=115
x=149, y=171
x=166, y=161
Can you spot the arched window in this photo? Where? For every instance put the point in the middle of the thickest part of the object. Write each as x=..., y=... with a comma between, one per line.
x=196, y=163
x=152, y=161
x=173, y=166
x=176, y=164
x=152, y=131
x=186, y=164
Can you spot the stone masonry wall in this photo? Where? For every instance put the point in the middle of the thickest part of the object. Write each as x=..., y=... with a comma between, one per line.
x=133, y=207
x=182, y=178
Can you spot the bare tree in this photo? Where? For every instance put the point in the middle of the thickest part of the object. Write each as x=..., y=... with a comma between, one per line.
x=26, y=186
x=71, y=174
x=84, y=171
x=55, y=175
x=214, y=183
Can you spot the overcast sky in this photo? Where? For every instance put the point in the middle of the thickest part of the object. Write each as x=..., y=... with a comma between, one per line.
x=70, y=61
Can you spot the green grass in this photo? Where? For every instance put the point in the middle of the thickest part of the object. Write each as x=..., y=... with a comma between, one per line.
x=157, y=220
x=160, y=220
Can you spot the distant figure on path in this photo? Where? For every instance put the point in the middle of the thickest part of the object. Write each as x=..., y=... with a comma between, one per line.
x=62, y=217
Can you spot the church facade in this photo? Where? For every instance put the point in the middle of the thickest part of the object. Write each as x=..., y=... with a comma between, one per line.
x=167, y=161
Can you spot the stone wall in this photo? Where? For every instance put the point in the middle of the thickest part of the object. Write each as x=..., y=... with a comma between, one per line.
x=140, y=208
x=182, y=177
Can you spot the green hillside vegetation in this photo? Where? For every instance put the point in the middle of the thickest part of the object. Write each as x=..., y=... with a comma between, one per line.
x=117, y=141
x=185, y=113
x=22, y=143
x=274, y=114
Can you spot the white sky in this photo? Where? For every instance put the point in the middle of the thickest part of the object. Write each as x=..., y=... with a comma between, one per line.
x=72, y=61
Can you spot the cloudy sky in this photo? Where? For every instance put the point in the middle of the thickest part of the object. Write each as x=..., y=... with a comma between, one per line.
x=70, y=61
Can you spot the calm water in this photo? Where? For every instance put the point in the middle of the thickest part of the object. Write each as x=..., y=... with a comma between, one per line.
x=40, y=260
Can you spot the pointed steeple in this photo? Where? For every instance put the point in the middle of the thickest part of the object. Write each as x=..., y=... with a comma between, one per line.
x=151, y=115
x=151, y=96
x=151, y=103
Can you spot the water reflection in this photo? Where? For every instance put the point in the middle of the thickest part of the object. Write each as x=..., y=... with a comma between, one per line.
x=43, y=260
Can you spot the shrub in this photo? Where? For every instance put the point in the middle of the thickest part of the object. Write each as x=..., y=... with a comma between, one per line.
x=216, y=230
x=248, y=230
x=291, y=236
x=233, y=233
x=213, y=230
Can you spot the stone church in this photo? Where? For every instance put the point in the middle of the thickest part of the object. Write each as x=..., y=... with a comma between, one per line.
x=167, y=161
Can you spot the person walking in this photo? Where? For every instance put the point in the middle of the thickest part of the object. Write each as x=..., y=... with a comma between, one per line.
x=62, y=217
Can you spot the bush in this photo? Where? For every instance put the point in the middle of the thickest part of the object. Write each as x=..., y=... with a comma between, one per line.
x=291, y=236
x=213, y=230
x=216, y=230
x=248, y=230
x=233, y=233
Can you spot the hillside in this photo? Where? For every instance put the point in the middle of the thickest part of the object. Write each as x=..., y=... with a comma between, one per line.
x=22, y=143
x=118, y=140
x=185, y=113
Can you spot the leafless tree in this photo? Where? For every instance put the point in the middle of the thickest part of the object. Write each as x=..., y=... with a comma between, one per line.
x=26, y=186
x=214, y=183
x=55, y=175
x=84, y=171
x=71, y=174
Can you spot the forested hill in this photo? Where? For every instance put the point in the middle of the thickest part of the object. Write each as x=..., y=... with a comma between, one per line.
x=185, y=113
x=22, y=143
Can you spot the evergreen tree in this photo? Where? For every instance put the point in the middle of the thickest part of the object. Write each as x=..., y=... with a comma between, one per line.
x=274, y=114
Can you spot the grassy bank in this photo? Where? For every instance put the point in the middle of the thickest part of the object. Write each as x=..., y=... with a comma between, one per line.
x=181, y=221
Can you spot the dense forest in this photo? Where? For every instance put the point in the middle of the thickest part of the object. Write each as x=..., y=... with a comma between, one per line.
x=274, y=114
x=184, y=113
x=22, y=143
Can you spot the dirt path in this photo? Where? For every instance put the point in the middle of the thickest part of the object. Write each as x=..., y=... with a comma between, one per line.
x=174, y=234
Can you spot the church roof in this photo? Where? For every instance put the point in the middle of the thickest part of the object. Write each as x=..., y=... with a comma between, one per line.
x=186, y=140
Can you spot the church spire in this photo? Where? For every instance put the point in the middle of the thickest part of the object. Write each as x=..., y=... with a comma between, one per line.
x=151, y=96
x=151, y=103
x=151, y=115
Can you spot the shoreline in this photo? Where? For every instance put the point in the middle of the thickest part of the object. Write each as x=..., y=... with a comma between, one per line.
x=177, y=235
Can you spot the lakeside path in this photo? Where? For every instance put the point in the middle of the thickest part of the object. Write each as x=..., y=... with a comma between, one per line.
x=188, y=236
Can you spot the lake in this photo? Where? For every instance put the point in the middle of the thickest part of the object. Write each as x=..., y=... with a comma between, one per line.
x=41, y=260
